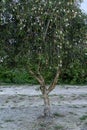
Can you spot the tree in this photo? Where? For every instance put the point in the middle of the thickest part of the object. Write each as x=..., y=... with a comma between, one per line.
x=36, y=35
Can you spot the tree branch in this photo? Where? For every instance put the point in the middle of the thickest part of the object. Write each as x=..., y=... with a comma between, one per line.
x=44, y=37
x=52, y=86
x=40, y=79
x=35, y=76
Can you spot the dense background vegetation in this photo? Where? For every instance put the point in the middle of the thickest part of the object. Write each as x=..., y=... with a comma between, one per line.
x=22, y=30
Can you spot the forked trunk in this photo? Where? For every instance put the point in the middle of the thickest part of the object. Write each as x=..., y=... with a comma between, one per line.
x=45, y=90
x=46, y=105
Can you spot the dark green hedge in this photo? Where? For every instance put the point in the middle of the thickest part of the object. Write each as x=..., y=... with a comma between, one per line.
x=73, y=75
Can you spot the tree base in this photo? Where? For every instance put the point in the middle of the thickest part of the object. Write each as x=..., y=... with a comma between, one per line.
x=46, y=119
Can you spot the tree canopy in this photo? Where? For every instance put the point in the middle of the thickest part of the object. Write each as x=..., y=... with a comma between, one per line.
x=41, y=33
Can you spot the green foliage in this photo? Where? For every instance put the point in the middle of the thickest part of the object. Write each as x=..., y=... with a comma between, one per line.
x=42, y=35
x=6, y=76
x=16, y=76
x=73, y=75
x=84, y=117
x=58, y=127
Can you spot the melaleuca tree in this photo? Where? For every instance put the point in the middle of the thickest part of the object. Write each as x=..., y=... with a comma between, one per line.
x=37, y=34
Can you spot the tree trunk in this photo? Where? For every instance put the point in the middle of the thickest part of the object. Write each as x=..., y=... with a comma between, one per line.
x=46, y=105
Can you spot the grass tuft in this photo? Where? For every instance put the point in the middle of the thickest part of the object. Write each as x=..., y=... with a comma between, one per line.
x=84, y=117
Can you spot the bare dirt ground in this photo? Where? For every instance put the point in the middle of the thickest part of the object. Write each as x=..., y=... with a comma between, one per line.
x=21, y=106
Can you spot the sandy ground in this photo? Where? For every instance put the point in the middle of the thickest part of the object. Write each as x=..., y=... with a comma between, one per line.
x=22, y=106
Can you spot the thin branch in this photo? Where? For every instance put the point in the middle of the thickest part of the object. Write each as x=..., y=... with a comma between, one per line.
x=52, y=86
x=42, y=87
x=40, y=79
x=35, y=76
x=44, y=37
